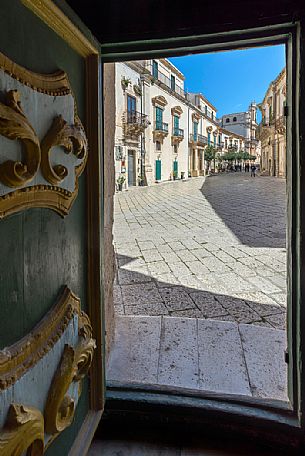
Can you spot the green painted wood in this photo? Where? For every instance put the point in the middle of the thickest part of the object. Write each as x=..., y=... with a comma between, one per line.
x=175, y=168
x=40, y=251
x=158, y=169
x=159, y=118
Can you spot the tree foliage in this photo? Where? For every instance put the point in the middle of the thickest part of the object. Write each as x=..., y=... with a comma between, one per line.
x=210, y=153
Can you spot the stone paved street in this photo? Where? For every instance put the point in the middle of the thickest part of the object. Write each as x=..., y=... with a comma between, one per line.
x=205, y=248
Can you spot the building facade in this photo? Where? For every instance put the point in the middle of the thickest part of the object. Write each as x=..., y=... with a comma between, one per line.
x=244, y=124
x=272, y=129
x=161, y=131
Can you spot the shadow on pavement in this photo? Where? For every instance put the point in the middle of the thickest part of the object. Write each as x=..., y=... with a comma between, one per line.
x=136, y=293
x=255, y=213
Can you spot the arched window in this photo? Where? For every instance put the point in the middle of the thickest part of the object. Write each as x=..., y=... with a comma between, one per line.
x=234, y=119
x=227, y=120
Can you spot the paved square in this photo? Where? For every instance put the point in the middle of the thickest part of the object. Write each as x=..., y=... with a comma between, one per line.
x=205, y=248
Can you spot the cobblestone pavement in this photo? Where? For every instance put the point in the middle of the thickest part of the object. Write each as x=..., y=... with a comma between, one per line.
x=206, y=248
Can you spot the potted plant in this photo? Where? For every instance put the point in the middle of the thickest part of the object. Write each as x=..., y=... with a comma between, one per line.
x=137, y=89
x=140, y=180
x=175, y=174
x=120, y=181
x=125, y=82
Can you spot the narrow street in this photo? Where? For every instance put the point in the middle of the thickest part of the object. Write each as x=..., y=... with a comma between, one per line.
x=205, y=248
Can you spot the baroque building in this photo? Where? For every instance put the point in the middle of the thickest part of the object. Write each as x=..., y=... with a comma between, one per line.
x=272, y=129
x=161, y=131
x=244, y=124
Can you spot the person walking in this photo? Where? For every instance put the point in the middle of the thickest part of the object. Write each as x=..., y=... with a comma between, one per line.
x=253, y=170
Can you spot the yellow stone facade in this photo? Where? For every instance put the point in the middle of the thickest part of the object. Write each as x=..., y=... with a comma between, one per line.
x=272, y=129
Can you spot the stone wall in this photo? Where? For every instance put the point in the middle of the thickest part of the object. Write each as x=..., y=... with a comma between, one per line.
x=109, y=186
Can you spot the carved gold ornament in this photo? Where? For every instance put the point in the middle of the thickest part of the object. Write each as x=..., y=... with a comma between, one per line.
x=71, y=138
x=14, y=125
x=17, y=359
x=73, y=367
x=33, y=179
x=23, y=432
x=25, y=427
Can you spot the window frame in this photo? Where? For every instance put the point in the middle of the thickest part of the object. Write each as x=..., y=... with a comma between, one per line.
x=173, y=82
x=279, y=415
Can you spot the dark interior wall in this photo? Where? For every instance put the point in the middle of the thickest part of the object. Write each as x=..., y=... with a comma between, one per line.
x=147, y=19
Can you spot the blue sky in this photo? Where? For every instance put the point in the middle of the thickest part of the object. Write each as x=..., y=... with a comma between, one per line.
x=231, y=80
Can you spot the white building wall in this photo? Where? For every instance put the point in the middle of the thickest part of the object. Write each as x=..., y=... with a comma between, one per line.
x=167, y=154
x=121, y=165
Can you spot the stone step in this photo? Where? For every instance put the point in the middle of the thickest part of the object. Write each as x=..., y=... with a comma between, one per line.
x=200, y=354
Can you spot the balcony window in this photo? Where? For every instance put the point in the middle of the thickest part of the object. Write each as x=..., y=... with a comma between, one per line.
x=219, y=139
x=176, y=126
x=195, y=130
x=159, y=118
x=155, y=69
x=173, y=82
x=214, y=140
x=131, y=104
x=158, y=145
x=209, y=138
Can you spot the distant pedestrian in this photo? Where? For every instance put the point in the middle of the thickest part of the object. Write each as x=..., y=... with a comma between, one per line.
x=253, y=170
x=246, y=167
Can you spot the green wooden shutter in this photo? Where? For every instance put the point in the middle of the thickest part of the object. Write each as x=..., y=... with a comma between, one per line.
x=176, y=125
x=158, y=169
x=159, y=118
x=195, y=129
x=175, y=168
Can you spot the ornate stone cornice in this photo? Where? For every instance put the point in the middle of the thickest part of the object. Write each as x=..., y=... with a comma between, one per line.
x=159, y=100
x=196, y=116
x=177, y=110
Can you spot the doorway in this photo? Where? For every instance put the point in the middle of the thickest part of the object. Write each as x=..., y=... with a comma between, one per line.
x=131, y=168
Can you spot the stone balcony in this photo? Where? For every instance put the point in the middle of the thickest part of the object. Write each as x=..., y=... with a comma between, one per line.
x=160, y=131
x=202, y=140
x=280, y=125
x=134, y=123
x=177, y=136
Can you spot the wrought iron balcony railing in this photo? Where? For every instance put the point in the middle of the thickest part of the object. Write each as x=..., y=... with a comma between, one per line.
x=178, y=132
x=134, y=117
x=203, y=140
x=280, y=122
x=165, y=80
x=161, y=126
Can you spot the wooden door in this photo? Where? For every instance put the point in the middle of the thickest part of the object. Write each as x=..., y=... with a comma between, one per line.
x=50, y=294
x=158, y=169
